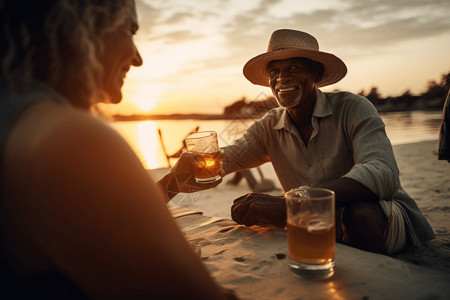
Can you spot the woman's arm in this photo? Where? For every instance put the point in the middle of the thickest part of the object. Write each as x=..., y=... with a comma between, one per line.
x=86, y=203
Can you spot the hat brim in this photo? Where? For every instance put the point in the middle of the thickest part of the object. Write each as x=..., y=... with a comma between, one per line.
x=255, y=70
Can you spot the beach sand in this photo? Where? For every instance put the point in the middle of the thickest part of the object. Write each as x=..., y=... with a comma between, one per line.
x=422, y=175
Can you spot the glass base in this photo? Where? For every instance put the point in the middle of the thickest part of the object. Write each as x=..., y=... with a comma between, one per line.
x=208, y=180
x=312, y=271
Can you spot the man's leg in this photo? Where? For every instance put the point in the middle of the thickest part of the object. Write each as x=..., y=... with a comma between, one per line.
x=365, y=225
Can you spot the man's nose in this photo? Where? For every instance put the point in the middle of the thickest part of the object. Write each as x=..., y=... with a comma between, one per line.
x=284, y=75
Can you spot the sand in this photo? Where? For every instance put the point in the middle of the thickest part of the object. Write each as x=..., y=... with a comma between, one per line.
x=427, y=181
x=422, y=175
x=254, y=263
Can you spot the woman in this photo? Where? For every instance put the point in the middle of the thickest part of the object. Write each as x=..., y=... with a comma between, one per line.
x=80, y=217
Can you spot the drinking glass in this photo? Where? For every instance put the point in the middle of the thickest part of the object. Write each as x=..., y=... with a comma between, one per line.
x=205, y=144
x=311, y=232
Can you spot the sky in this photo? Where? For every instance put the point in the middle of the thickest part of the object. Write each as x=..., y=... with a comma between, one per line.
x=194, y=50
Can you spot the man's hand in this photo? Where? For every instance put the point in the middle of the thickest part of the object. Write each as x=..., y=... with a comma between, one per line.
x=260, y=209
x=181, y=178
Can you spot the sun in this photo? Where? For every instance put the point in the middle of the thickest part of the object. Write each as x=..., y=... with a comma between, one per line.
x=145, y=96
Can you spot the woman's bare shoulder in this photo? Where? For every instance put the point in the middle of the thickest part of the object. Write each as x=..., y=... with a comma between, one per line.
x=50, y=132
x=61, y=150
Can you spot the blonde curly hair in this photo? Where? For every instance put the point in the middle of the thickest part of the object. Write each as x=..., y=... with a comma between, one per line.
x=58, y=42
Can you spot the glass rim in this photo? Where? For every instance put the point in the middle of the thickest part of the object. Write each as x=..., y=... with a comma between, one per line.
x=206, y=133
x=292, y=192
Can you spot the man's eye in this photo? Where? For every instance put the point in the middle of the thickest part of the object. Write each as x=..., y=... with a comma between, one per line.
x=273, y=72
x=293, y=69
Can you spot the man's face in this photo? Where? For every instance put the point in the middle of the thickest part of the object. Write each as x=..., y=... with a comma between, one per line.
x=292, y=80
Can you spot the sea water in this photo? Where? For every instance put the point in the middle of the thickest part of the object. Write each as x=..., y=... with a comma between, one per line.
x=401, y=128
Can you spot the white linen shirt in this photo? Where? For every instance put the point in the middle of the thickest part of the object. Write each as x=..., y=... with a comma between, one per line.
x=348, y=140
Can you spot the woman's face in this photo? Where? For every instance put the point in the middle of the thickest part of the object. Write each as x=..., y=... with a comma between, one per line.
x=120, y=53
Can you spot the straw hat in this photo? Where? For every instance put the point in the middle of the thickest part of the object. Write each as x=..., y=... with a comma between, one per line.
x=288, y=43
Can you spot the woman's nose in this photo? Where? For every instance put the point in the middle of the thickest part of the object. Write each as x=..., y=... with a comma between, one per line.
x=137, y=59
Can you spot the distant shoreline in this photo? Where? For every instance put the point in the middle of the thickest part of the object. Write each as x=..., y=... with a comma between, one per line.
x=138, y=117
x=203, y=117
x=431, y=100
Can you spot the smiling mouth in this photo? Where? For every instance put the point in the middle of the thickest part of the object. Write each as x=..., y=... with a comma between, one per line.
x=124, y=72
x=287, y=90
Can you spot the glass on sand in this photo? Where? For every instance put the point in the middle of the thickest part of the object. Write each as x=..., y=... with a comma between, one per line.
x=311, y=232
x=205, y=144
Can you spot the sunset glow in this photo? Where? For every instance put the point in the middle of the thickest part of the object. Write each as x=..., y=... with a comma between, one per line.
x=148, y=142
x=194, y=51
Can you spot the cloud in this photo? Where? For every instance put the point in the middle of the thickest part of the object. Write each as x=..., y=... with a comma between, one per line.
x=175, y=37
x=178, y=17
x=201, y=38
x=385, y=20
x=264, y=7
x=401, y=20
x=351, y=26
x=147, y=15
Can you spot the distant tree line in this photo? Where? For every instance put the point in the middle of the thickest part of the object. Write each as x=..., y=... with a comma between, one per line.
x=244, y=108
x=432, y=99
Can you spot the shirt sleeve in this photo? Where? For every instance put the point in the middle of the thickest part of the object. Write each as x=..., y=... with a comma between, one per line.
x=374, y=162
x=248, y=151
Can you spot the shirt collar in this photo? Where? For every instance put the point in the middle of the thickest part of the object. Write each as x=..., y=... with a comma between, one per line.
x=321, y=109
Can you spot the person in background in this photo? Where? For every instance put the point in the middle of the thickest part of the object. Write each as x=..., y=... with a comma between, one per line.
x=80, y=216
x=444, y=133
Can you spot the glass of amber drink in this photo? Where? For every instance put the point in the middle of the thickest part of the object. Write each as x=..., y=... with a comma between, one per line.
x=311, y=232
x=205, y=144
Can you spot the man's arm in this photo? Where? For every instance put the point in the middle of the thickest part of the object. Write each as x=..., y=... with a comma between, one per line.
x=374, y=166
x=348, y=190
x=270, y=211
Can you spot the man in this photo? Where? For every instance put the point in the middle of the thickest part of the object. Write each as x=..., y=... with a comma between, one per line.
x=329, y=140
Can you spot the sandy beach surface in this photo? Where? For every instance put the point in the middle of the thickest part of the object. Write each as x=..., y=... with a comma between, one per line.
x=422, y=175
